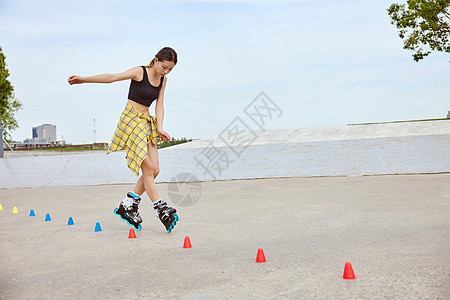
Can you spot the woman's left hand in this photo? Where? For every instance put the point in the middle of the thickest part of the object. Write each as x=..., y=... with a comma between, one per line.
x=164, y=135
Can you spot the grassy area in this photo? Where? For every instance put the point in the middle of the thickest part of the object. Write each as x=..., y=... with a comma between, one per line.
x=391, y=122
x=65, y=149
x=70, y=149
x=173, y=142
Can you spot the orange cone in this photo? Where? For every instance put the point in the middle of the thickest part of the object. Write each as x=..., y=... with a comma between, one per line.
x=187, y=243
x=348, y=271
x=132, y=234
x=260, y=258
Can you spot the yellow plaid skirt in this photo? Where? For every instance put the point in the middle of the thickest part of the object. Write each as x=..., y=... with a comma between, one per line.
x=133, y=133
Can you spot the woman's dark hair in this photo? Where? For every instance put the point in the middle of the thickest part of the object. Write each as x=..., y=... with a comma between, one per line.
x=165, y=54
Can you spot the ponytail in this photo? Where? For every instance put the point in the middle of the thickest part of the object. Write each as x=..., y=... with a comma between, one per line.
x=151, y=63
x=165, y=54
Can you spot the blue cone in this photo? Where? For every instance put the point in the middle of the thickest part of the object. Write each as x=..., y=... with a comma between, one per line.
x=70, y=221
x=47, y=217
x=32, y=213
x=97, y=227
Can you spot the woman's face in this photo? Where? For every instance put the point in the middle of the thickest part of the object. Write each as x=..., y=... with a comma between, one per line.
x=163, y=67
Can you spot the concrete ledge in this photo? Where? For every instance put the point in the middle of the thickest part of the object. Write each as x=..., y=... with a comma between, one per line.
x=334, y=133
x=278, y=153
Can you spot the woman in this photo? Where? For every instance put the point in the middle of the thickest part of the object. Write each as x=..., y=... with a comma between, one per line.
x=138, y=132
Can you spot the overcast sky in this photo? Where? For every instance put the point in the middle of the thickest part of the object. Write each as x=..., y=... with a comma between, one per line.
x=324, y=63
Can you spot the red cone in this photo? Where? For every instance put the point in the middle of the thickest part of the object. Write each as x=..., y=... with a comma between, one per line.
x=187, y=243
x=348, y=271
x=132, y=234
x=260, y=258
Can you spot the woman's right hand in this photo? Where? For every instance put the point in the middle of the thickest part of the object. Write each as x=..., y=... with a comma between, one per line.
x=75, y=79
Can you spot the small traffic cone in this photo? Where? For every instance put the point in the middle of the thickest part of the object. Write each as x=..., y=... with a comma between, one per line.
x=70, y=221
x=187, y=243
x=98, y=227
x=15, y=211
x=47, y=217
x=348, y=271
x=1, y=207
x=32, y=213
x=132, y=234
x=260, y=258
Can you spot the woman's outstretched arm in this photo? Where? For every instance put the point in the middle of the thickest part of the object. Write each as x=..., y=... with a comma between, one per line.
x=132, y=73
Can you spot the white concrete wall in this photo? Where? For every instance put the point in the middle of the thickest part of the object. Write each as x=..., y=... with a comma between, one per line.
x=337, y=133
x=401, y=148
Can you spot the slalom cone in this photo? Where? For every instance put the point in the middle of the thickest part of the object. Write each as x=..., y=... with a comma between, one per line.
x=348, y=271
x=47, y=217
x=132, y=234
x=1, y=207
x=98, y=227
x=187, y=243
x=70, y=221
x=260, y=258
x=15, y=211
x=32, y=213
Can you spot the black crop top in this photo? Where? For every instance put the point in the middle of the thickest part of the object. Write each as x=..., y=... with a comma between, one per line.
x=142, y=91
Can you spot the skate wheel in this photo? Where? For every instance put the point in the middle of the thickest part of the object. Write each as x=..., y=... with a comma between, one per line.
x=138, y=228
x=171, y=226
x=115, y=211
x=169, y=230
x=176, y=217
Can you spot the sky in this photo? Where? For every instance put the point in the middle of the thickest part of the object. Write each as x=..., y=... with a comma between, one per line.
x=324, y=63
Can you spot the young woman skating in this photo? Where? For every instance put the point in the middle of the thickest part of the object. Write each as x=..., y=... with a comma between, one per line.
x=138, y=132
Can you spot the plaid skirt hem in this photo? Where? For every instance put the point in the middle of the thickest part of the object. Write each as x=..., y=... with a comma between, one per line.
x=132, y=134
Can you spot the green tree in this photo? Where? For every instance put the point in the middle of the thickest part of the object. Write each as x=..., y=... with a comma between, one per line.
x=9, y=105
x=423, y=25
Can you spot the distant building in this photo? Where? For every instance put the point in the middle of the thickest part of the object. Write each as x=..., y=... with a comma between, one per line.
x=36, y=141
x=45, y=133
x=35, y=133
x=448, y=115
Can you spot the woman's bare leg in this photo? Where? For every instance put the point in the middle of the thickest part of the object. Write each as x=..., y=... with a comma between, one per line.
x=140, y=188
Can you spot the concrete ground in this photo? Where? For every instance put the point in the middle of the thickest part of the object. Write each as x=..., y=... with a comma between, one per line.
x=395, y=231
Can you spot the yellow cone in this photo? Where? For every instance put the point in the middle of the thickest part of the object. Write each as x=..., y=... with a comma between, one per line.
x=15, y=211
x=1, y=208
